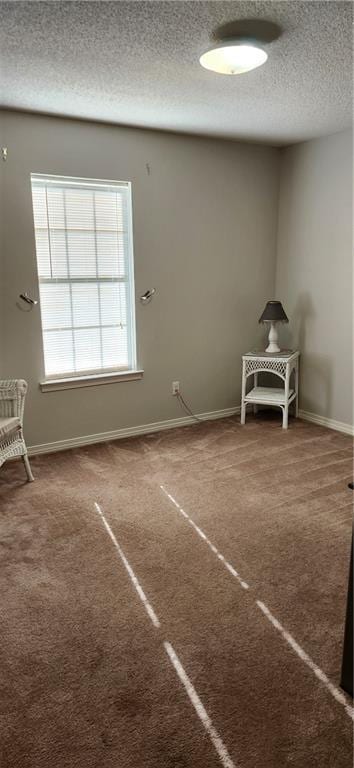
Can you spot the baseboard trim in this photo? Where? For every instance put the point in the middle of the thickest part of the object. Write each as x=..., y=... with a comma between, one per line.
x=339, y=426
x=118, y=434
x=159, y=426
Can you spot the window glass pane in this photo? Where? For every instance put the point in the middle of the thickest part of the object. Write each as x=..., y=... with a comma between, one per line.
x=59, y=254
x=108, y=211
x=58, y=352
x=55, y=211
x=111, y=254
x=85, y=304
x=114, y=347
x=82, y=254
x=113, y=304
x=55, y=306
x=79, y=210
x=39, y=207
x=87, y=349
x=43, y=253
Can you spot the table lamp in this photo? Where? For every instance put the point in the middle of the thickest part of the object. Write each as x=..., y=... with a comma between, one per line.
x=273, y=313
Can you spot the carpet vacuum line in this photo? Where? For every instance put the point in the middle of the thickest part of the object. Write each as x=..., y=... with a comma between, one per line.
x=317, y=671
x=193, y=696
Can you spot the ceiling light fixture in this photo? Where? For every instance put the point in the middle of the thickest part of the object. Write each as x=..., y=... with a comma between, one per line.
x=234, y=57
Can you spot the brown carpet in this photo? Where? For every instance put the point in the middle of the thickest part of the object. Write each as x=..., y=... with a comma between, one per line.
x=86, y=681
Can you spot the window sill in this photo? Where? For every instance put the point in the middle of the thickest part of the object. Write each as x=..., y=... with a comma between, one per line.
x=52, y=385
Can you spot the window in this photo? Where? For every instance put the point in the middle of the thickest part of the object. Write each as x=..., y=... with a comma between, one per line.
x=84, y=252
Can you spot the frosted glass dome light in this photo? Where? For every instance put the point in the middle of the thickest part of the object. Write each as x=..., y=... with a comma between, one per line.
x=233, y=57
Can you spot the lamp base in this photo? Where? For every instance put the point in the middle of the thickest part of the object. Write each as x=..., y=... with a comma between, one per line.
x=273, y=348
x=273, y=345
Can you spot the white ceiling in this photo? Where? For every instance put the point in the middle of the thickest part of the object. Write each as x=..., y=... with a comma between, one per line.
x=137, y=63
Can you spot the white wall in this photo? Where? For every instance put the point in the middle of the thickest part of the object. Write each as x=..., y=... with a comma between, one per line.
x=314, y=278
x=204, y=235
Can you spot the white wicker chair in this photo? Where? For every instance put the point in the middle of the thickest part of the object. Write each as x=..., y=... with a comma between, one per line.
x=12, y=403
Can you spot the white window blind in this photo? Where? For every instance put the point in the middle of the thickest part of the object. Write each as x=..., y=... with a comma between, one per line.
x=84, y=252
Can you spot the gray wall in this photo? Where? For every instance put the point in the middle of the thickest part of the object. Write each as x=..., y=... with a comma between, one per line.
x=205, y=222
x=2, y=249
x=314, y=270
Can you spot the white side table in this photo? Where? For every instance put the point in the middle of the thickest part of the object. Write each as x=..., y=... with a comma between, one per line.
x=282, y=364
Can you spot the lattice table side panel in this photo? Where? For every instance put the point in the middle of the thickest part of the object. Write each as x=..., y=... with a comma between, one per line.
x=273, y=366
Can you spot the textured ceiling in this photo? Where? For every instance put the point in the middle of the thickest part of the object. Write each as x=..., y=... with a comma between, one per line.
x=137, y=63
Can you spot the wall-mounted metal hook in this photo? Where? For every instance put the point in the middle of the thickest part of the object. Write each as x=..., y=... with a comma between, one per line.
x=4, y=153
x=147, y=295
x=25, y=297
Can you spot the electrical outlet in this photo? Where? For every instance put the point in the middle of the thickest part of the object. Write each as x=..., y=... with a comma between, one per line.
x=175, y=387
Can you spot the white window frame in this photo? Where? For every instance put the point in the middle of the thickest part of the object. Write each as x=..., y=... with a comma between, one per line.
x=107, y=375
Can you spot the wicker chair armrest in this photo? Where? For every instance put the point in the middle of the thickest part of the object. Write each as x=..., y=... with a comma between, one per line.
x=12, y=397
